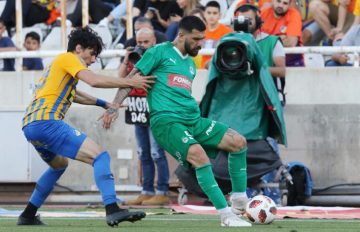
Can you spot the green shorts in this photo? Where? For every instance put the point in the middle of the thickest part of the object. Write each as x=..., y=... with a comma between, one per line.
x=176, y=136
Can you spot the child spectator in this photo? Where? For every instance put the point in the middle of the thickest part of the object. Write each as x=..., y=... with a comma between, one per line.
x=214, y=30
x=32, y=43
x=6, y=45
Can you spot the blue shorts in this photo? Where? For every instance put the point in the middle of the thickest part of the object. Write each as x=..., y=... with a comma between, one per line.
x=54, y=137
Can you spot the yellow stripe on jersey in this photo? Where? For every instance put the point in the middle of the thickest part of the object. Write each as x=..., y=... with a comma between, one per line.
x=56, y=89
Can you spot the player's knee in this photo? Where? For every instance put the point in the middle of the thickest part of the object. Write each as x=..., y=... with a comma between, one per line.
x=59, y=162
x=197, y=156
x=238, y=143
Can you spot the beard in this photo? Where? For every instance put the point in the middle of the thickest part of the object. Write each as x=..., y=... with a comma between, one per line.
x=280, y=11
x=192, y=52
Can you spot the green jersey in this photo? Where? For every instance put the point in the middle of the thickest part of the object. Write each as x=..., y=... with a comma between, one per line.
x=170, y=96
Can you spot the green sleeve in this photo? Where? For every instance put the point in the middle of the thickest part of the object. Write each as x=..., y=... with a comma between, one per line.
x=149, y=61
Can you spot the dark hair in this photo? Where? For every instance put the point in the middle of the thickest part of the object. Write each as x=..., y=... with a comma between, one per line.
x=86, y=38
x=189, y=23
x=213, y=4
x=143, y=20
x=2, y=22
x=33, y=35
x=249, y=7
x=198, y=11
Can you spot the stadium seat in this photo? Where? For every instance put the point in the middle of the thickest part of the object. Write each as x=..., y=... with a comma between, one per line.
x=113, y=64
x=53, y=41
x=229, y=13
x=314, y=60
x=104, y=33
x=2, y=5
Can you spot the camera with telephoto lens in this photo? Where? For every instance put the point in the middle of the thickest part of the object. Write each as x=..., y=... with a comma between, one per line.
x=136, y=54
x=231, y=57
x=242, y=23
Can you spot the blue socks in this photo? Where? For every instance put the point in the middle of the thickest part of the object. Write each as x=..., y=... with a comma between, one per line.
x=104, y=178
x=102, y=174
x=45, y=185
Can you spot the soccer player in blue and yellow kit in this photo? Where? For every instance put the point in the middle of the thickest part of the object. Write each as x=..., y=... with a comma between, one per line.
x=56, y=141
x=178, y=127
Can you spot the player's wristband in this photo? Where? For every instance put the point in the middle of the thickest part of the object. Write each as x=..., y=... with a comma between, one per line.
x=100, y=102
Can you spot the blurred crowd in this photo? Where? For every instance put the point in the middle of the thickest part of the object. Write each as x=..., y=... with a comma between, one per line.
x=295, y=22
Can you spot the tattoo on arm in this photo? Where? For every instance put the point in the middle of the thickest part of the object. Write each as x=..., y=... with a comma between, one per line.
x=122, y=93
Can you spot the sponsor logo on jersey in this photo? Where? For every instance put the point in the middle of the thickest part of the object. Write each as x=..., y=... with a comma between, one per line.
x=77, y=133
x=192, y=70
x=283, y=29
x=211, y=127
x=179, y=81
x=178, y=157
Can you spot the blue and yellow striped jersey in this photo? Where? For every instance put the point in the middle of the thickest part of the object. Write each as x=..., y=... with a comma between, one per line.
x=56, y=89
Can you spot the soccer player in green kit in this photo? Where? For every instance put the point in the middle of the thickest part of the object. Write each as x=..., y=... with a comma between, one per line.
x=176, y=123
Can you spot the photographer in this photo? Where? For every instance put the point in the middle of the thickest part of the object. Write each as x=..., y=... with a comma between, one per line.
x=241, y=93
x=149, y=151
x=270, y=45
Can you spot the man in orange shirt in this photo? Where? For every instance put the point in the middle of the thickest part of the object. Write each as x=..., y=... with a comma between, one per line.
x=285, y=22
x=214, y=30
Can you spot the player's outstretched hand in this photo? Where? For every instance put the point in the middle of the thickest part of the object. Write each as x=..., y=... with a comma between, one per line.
x=108, y=117
x=142, y=82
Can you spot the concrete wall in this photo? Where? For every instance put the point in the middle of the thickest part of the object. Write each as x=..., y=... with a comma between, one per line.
x=322, y=117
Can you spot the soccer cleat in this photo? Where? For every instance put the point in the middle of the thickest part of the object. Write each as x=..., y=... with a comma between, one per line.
x=232, y=220
x=124, y=215
x=35, y=221
x=139, y=200
x=157, y=200
x=238, y=204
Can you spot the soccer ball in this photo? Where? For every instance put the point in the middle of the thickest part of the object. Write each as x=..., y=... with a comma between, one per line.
x=261, y=210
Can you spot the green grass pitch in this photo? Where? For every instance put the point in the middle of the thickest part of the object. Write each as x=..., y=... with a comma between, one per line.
x=164, y=221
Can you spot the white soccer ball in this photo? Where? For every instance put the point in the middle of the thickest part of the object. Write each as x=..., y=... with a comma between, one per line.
x=261, y=210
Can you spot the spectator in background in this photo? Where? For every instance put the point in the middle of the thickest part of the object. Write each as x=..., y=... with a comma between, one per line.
x=6, y=45
x=187, y=6
x=285, y=22
x=270, y=45
x=331, y=18
x=351, y=38
x=162, y=13
x=116, y=13
x=139, y=8
x=140, y=23
x=214, y=30
x=149, y=152
x=97, y=11
x=33, y=11
x=32, y=43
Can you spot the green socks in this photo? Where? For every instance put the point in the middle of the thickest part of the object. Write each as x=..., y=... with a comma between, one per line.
x=208, y=184
x=237, y=170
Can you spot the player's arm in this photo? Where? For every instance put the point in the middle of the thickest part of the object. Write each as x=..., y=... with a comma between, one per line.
x=122, y=93
x=101, y=81
x=111, y=113
x=86, y=99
